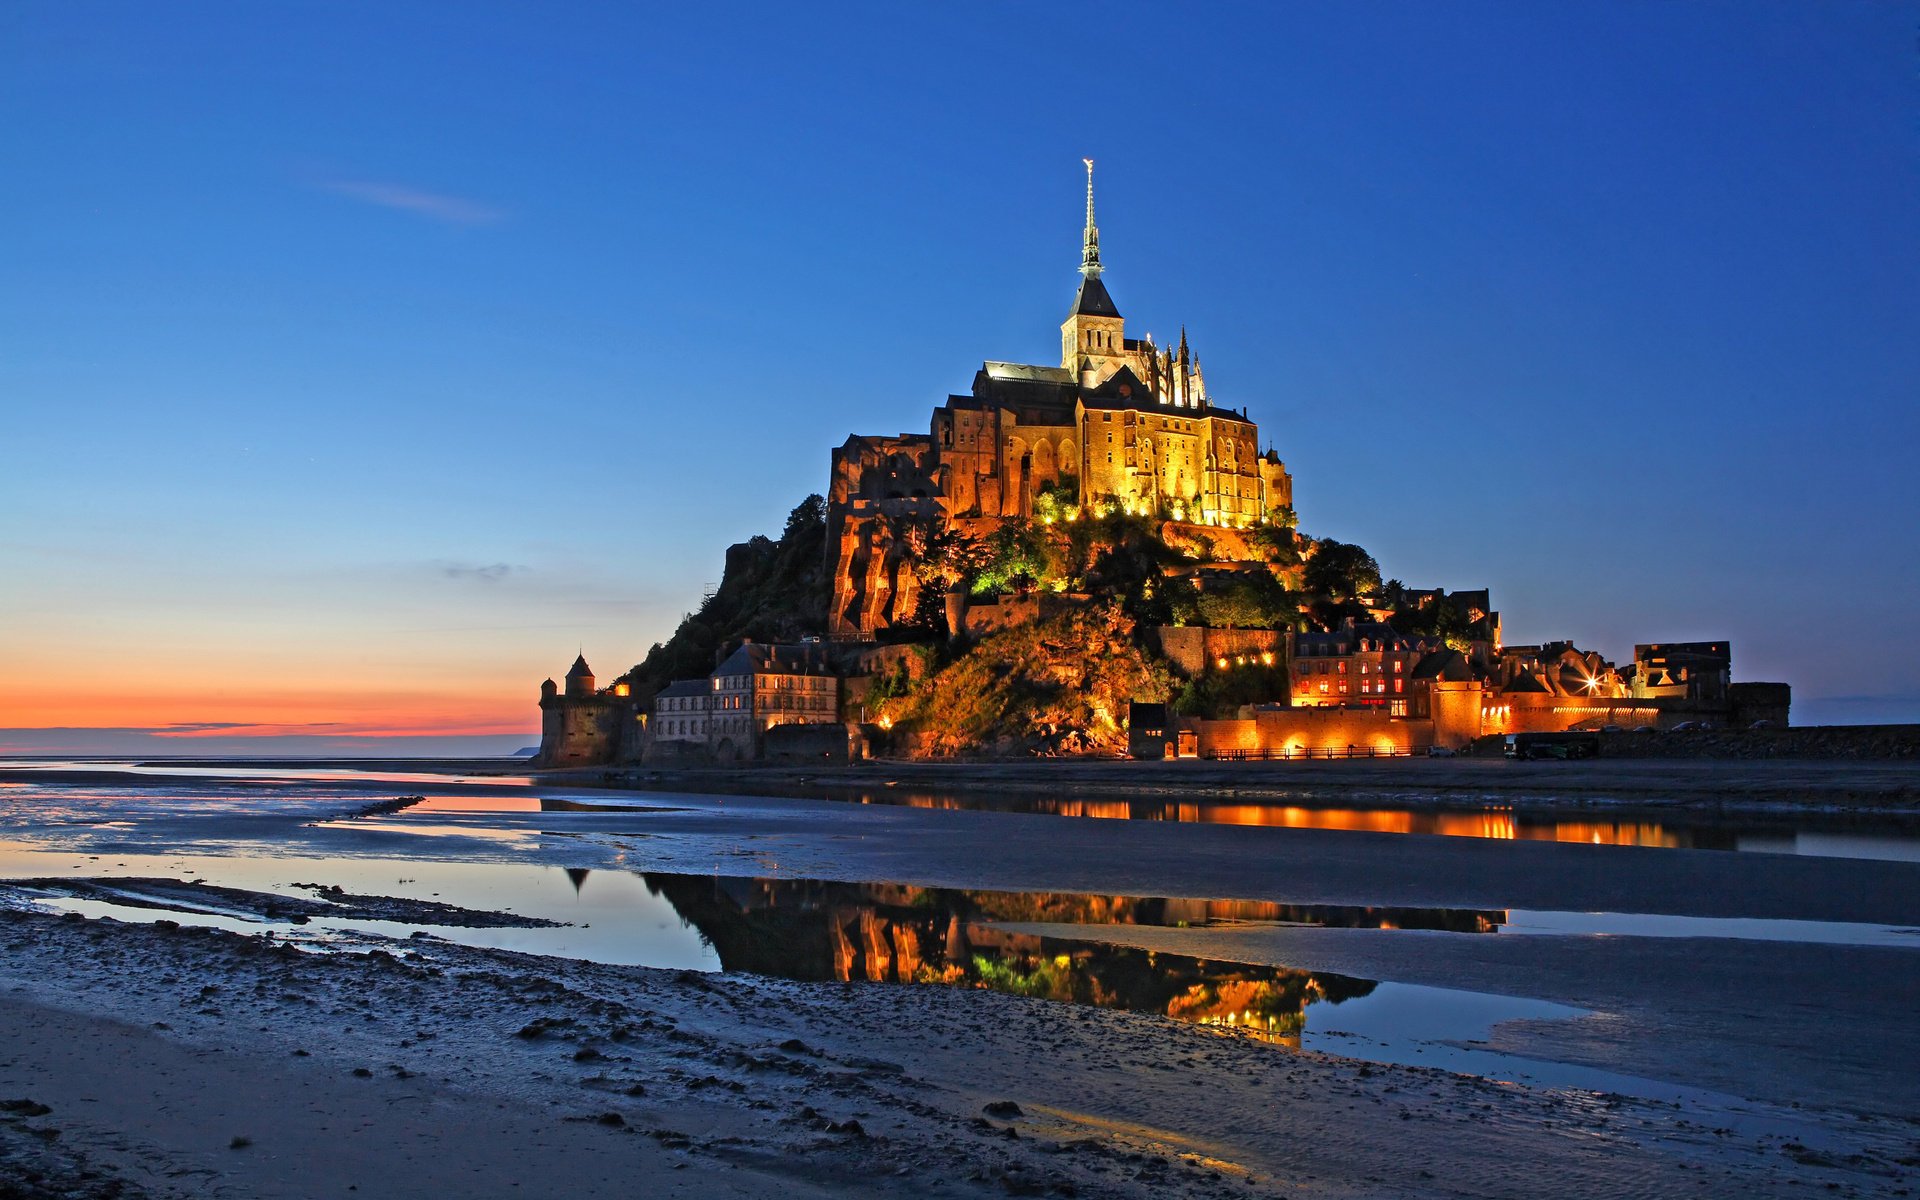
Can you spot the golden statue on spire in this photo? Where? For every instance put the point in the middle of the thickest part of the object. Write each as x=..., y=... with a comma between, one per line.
x=1090, y=244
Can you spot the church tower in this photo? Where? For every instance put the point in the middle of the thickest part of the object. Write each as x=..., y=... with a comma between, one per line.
x=1093, y=338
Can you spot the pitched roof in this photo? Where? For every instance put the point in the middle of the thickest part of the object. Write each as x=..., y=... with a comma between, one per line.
x=685, y=687
x=1446, y=665
x=760, y=658
x=1092, y=299
x=579, y=668
x=1008, y=370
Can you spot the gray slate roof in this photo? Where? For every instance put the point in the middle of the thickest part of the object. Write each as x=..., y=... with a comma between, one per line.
x=1092, y=299
x=761, y=658
x=685, y=687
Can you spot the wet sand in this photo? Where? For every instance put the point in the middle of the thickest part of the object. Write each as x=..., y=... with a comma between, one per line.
x=171, y=1059
x=748, y=1086
x=1882, y=785
x=1712, y=784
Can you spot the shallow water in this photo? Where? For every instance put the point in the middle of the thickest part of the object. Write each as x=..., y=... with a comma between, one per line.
x=1847, y=837
x=501, y=845
x=254, y=788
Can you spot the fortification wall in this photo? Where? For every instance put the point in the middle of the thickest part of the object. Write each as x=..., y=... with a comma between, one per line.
x=1193, y=649
x=1861, y=742
x=808, y=743
x=579, y=731
x=1315, y=731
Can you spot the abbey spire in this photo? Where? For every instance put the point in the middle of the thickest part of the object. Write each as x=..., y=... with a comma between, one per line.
x=1090, y=241
x=1093, y=338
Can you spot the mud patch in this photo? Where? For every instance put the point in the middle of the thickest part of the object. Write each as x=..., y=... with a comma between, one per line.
x=333, y=902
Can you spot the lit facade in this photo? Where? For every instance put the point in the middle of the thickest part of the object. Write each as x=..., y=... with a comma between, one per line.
x=1121, y=423
x=1359, y=665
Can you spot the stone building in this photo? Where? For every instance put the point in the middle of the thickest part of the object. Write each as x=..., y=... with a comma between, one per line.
x=682, y=712
x=1363, y=665
x=1695, y=670
x=586, y=724
x=1122, y=422
x=725, y=716
x=760, y=686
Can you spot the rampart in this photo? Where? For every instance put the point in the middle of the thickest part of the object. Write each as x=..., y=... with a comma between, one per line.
x=1193, y=648
x=1314, y=731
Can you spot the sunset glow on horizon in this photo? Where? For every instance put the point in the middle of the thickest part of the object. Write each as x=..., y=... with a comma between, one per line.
x=360, y=366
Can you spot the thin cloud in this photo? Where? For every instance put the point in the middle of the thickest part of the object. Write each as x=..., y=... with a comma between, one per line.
x=481, y=572
x=253, y=728
x=451, y=209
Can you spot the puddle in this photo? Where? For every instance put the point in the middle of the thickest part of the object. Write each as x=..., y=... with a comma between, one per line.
x=892, y=933
x=1762, y=929
x=618, y=920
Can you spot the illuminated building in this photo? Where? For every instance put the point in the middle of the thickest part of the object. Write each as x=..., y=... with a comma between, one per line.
x=1366, y=666
x=1120, y=423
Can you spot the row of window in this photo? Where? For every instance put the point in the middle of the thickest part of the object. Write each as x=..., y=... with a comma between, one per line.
x=1377, y=687
x=815, y=695
x=1339, y=666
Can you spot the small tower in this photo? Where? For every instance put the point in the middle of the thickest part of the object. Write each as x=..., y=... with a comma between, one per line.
x=580, y=678
x=1093, y=338
x=548, y=689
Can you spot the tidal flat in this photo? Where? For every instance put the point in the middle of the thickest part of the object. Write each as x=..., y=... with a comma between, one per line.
x=247, y=980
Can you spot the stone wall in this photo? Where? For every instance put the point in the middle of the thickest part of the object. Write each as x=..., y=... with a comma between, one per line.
x=1316, y=731
x=1462, y=712
x=1750, y=702
x=1862, y=742
x=981, y=617
x=1194, y=649
x=820, y=743
x=587, y=730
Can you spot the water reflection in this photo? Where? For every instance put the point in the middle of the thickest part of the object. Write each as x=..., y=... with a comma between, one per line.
x=1852, y=836
x=879, y=932
x=1489, y=821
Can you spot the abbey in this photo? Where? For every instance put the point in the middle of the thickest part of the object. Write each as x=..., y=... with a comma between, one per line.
x=1120, y=422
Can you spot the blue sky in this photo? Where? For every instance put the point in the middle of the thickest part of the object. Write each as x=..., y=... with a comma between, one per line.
x=363, y=360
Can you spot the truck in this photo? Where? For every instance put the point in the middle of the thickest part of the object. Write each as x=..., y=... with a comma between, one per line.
x=1574, y=743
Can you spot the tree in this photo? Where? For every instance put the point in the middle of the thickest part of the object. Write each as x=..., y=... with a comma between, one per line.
x=1252, y=601
x=1278, y=544
x=808, y=515
x=1340, y=572
x=1017, y=555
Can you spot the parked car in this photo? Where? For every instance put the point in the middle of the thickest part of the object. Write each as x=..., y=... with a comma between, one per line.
x=1685, y=727
x=1645, y=729
x=1440, y=752
x=1609, y=729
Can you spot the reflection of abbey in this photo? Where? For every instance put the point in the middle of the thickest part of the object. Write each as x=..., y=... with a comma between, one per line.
x=1121, y=422
x=1095, y=557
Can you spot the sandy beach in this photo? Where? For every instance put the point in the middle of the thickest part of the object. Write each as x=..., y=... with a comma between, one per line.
x=172, y=1060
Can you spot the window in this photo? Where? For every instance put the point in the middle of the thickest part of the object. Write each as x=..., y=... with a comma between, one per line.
x=1343, y=687
x=1398, y=685
x=1343, y=668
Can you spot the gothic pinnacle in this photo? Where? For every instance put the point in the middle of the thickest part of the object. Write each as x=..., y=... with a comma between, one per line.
x=1090, y=243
